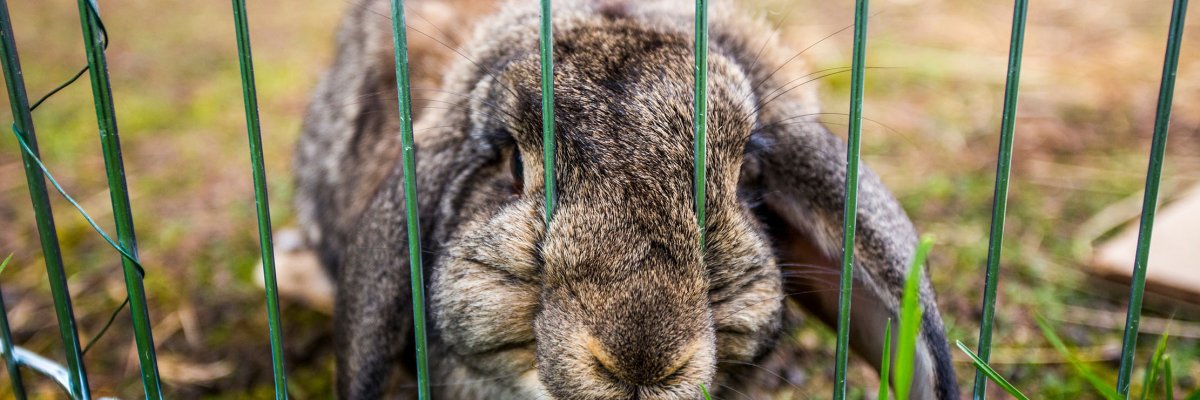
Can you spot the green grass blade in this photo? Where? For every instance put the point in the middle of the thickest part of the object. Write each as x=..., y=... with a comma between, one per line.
x=850, y=212
x=885, y=367
x=705, y=391
x=1152, y=369
x=910, y=320
x=1168, y=378
x=985, y=369
x=1158, y=148
x=4, y=264
x=408, y=159
x=1082, y=369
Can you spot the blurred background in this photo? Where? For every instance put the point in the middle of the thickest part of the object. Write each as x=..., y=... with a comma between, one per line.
x=1084, y=126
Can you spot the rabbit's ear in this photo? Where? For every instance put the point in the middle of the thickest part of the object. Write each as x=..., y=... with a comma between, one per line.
x=800, y=171
x=373, y=309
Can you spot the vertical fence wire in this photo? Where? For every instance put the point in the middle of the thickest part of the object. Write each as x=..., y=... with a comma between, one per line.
x=1000, y=196
x=1158, y=146
x=408, y=160
x=700, y=121
x=850, y=215
x=547, y=48
x=262, y=204
x=48, y=235
x=10, y=359
x=119, y=193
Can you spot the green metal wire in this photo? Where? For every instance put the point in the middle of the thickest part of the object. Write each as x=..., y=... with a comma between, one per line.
x=10, y=359
x=410, y=196
x=19, y=102
x=850, y=215
x=700, y=111
x=266, y=246
x=49, y=369
x=1000, y=197
x=547, y=48
x=1162, y=121
x=119, y=194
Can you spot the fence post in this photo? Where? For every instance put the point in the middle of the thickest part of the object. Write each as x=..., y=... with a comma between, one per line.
x=119, y=194
x=1000, y=196
x=23, y=124
x=850, y=215
x=262, y=204
x=1158, y=147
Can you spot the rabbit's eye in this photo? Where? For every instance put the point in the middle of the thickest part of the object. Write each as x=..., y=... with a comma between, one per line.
x=517, y=169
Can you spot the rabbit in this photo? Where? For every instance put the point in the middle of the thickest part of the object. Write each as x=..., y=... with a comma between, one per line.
x=614, y=297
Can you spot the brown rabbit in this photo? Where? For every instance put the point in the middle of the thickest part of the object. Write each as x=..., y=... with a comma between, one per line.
x=615, y=299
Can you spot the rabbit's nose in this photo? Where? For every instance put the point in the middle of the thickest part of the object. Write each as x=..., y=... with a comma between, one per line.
x=642, y=371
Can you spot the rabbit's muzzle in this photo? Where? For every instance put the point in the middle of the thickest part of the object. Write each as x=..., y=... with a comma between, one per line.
x=629, y=324
x=639, y=345
x=610, y=301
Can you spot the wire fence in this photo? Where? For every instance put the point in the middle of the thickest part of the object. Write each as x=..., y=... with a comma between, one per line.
x=71, y=375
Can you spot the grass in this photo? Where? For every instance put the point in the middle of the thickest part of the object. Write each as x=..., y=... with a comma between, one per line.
x=1159, y=365
x=885, y=365
x=1083, y=130
x=991, y=373
x=910, y=321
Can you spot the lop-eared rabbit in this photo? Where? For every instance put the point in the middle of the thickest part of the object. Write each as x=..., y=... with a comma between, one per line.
x=615, y=298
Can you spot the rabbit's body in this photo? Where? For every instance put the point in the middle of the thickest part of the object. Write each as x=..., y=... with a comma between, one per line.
x=616, y=299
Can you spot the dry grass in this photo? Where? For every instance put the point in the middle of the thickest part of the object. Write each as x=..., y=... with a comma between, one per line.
x=1087, y=105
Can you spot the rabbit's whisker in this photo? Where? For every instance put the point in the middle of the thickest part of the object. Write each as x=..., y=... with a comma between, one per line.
x=393, y=111
x=810, y=273
x=794, y=118
x=764, y=369
x=774, y=28
x=853, y=293
x=465, y=96
x=488, y=71
x=798, y=85
x=431, y=24
x=727, y=387
x=510, y=115
x=463, y=382
x=354, y=100
x=796, y=56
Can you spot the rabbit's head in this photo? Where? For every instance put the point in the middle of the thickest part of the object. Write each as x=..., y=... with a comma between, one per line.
x=613, y=296
x=616, y=296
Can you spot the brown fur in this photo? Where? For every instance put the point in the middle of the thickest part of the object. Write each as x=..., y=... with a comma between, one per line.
x=615, y=299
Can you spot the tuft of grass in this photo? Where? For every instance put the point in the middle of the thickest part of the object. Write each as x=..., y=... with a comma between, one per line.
x=886, y=366
x=1159, y=365
x=910, y=321
x=1168, y=378
x=994, y=376
x=1152, y=369
x=1081, y=368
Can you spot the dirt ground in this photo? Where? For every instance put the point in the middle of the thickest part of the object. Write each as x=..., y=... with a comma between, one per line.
x=1084, y=124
